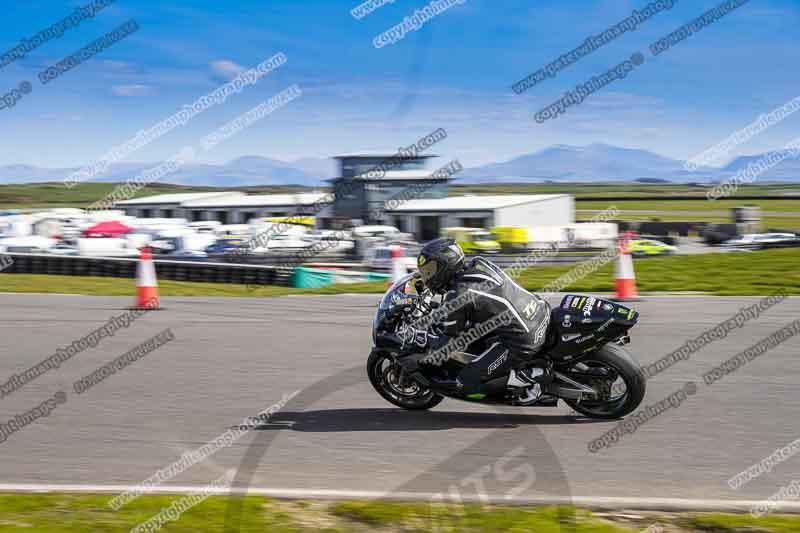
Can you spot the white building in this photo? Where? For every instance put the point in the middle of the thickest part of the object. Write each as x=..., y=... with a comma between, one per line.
x=241, y=208
x=227, y=207
x=165, y=205
x=425, y=218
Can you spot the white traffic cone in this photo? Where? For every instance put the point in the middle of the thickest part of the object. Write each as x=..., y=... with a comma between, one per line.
x=626, y=277
x=398, y=267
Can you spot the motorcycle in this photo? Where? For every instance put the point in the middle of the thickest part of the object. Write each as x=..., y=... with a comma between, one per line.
x=591, y=370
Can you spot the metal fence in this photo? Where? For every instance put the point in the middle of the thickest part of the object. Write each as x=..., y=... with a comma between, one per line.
x=273, y=269
x=165, y=268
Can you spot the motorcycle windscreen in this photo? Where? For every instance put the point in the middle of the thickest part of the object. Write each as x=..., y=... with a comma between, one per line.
x=397, y=292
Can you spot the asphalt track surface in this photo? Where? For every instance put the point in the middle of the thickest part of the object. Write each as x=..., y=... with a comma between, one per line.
x=234, y=357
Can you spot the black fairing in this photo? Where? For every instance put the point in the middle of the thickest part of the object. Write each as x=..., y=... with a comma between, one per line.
x=582, y=324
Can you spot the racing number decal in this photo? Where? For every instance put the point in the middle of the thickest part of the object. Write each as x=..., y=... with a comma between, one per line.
x=530, y=310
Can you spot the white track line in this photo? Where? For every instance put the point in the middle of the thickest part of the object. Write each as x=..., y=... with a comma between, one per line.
x=595, y=502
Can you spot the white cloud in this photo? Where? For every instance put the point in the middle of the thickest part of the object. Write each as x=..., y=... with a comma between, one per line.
x=226, y=69
x=117, y=66
x=135, y=89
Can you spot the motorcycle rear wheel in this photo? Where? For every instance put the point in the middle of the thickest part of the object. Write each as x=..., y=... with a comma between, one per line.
x=617, y=359
x=386, y=378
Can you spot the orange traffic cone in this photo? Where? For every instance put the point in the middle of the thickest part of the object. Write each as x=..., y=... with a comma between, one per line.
x=398, y=267
x=146, y=282
x=626, y=277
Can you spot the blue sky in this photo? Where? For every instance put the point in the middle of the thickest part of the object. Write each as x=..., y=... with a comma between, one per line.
x=453, y=73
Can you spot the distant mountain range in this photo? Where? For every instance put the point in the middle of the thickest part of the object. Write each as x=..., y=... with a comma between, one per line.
x=596, y=162
x=603, y=162
x=247, y=170
x=565, y=163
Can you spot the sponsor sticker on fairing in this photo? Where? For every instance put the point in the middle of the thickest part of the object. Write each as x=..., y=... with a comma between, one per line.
x=605, y=324
x=499, y=361
x=587, y=309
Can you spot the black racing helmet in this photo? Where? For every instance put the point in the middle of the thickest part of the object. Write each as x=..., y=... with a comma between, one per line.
x=439, y=261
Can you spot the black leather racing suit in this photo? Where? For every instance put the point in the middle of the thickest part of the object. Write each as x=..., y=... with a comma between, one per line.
x=512, y=321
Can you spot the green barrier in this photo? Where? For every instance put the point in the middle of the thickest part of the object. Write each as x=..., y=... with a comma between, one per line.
x=314, y=278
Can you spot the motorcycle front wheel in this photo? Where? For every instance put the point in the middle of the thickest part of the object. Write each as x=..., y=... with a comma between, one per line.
x=388, y=378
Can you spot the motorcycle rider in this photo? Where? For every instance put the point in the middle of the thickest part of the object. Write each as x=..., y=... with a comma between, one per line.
x=489, y=292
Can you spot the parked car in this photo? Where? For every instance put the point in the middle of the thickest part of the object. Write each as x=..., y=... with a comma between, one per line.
x=761, y=240
x=205, y=226
x=188, y=255
x=64, y=248
x=380, y=258
x=226, y=246
x=650, y=247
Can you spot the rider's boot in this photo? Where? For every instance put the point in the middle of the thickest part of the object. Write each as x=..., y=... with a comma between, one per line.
x=527, y=383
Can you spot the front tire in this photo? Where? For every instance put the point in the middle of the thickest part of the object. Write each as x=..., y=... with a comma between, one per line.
x=386, y=377
x=620, y=361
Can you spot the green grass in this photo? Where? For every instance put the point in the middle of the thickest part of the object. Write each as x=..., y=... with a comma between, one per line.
x=780, y=205
x=473, y=518
x=727, y=523
x=88, y=513
x=731, y=274
x=664, y=218
x=55, y=194
x=584, y=190
x=786, y=223
x=68, y=513
x=42, y=283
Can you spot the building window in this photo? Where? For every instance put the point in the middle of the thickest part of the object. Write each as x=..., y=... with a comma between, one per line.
x=429, y=228
x=474, y=222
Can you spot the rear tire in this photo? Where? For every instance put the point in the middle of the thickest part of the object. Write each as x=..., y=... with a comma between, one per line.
x=631, y=373
x=382, y=371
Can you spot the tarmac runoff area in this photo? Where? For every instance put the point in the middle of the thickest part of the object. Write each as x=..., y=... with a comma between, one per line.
x=228, y=359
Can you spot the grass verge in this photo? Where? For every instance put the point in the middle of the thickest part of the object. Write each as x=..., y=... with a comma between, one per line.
x=767, y=223
x=54, y=194
x=786, y=205
x=728, y=523
x=67, y=513
x=724, y=274
x=42, y=283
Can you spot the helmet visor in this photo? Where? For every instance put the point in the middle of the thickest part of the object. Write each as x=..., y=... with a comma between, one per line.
x=428, y=270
